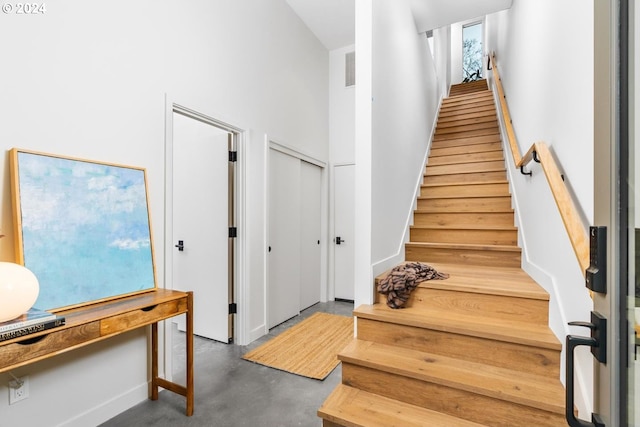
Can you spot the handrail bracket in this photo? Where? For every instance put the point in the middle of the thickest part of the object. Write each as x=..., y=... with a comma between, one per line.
x=525, y=173
x=535, y=156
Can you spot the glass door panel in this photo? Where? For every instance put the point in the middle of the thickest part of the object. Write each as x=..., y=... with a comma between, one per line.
x=472, y=52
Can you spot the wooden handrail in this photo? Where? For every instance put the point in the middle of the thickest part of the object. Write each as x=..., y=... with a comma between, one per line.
x=513, y=143
x=540, y=153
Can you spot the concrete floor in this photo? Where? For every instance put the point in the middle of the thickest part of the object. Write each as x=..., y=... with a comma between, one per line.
x=232, y=392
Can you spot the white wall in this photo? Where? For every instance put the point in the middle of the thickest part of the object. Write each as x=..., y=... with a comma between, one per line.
x=547, y=74
x=90, y=81
x=397, y=98
x=442, y=57
x=363, y=275
x=405, y=101
x=342, y=109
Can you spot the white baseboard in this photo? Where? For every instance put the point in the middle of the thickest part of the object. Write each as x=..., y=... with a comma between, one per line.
x=109, y=409
x=257, y=333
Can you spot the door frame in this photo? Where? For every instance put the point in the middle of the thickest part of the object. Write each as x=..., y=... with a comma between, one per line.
x=332, y=248
x=240, y=291
x=611, y=199
x=278, y=145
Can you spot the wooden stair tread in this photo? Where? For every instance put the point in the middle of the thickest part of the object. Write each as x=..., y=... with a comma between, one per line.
x=467, y=107
x=465, y=184
x=461, y=228
x=473, y=133
x=495, y=329
x=454, y=128
x=463, y=204
x=504, y=281
x=448, y=110
x=464, y=220
x=489, y=248
x=351, y=407
x=462, y=95
x=499, y=383
x=468, y=115
x=466, y=121
x=469, y=97
x=454, y=141
x=464, y=158
x=465, y=168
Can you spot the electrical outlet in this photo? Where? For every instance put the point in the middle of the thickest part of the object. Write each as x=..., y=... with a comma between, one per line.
x=18, y=391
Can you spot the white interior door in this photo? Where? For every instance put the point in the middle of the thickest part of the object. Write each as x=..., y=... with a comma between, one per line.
x=284, y=237
x=344, y=199
x=201, y=222
x=311, y=185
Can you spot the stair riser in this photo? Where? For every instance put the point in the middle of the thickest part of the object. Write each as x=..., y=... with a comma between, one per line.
x=453, y=116
x=457, y=191
x=477, y=167
x=468, y=93
x=466, y=121
x=519, y=357
x=465, y=134
x=468, y=98
x=464, y=256
x=467, y=102
x=477, y=237
x=466, y=142
x=465, y=150
x=474, y=304
x=465, y=178
x=478, y=204
x=469, y=109
x=485, y=220
x=469, y=87
x=459, y=159
x=459, y=403
x=493, y=125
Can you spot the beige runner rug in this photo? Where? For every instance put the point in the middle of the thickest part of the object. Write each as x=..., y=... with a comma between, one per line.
x=309, y=348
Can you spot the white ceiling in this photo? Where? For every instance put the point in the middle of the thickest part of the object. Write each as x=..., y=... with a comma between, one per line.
x=431, y=14
x=333, y=21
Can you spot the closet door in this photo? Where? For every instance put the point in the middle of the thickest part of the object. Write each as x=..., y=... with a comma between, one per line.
x=310, y=217
x=284, y=238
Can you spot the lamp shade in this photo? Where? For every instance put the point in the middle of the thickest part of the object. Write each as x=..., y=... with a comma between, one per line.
x=19, y=290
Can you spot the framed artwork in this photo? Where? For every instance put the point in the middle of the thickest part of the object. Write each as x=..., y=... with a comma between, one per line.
x=82, y=227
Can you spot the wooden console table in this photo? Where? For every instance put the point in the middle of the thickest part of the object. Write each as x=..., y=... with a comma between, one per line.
x=96, y=322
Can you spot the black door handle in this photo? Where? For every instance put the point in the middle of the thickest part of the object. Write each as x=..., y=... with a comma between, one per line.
x=598, y=343
x=180, y=245
x=339, y=240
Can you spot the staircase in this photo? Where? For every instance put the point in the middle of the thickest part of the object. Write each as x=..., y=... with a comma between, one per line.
x=472, y=350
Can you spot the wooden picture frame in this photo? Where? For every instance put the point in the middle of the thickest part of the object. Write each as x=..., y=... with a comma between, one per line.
x=82, y=227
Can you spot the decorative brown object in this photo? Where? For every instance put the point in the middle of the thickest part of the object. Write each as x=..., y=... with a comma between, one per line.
x=403, y=279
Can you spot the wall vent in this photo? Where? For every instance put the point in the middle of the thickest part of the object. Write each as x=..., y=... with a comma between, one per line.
x=350, y=69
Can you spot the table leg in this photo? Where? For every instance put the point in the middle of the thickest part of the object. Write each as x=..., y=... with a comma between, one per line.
x=154, y=361
x=189, y=337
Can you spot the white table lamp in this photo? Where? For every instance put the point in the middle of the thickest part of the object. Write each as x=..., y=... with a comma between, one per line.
x=19, y=290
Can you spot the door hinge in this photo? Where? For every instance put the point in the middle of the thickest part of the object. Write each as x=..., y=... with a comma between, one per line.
x=233, y=308
x=233, y=156
x=233, y=232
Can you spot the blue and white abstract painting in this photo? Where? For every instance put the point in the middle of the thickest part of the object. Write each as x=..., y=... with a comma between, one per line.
x=85, y=229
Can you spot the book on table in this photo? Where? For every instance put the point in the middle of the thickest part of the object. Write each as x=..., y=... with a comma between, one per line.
x=43, y=325
x=31, y=317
